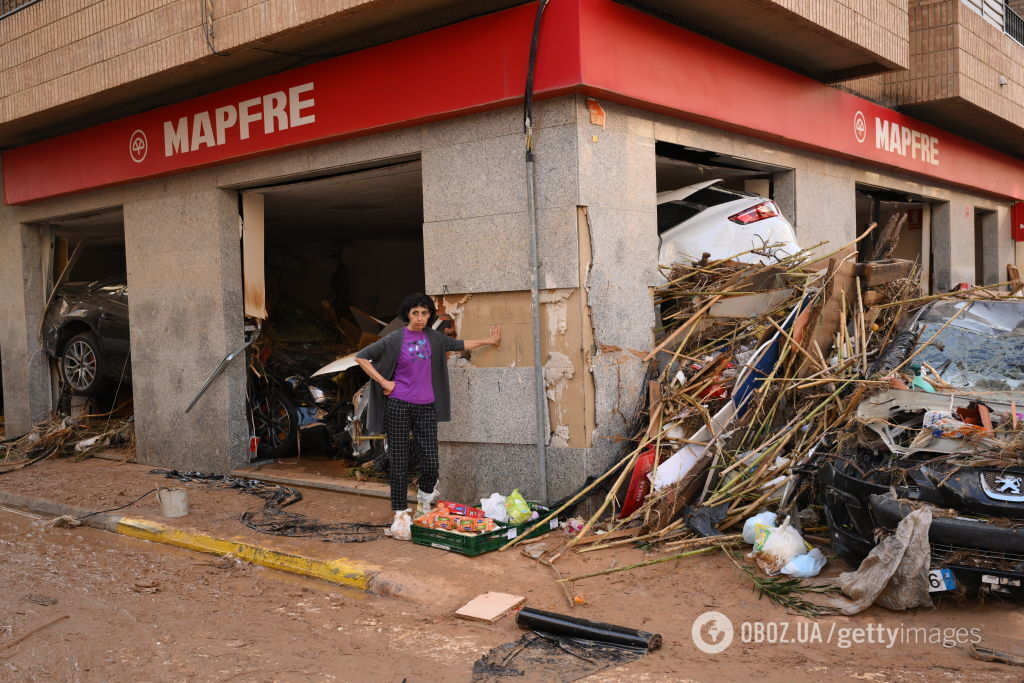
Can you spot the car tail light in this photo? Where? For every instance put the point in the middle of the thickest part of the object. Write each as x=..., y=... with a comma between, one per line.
x=763, y=210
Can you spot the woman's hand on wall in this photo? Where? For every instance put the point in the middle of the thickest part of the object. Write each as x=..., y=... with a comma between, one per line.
x=495, y=338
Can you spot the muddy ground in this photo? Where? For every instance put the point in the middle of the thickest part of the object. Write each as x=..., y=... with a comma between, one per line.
x=141, y=611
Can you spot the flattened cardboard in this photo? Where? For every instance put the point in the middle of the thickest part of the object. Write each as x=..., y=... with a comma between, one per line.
x=489, y=606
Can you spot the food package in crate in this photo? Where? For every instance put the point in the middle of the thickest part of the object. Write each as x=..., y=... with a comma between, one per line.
x=461, y=509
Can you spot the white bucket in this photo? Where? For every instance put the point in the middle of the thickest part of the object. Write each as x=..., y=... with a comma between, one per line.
x=173, y=502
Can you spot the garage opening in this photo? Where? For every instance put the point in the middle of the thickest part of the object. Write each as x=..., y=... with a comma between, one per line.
x=880, y=205
x=328, y=261
x=85, y=329
x=721, y=205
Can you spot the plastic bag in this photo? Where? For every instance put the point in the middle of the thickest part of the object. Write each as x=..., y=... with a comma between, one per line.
x=775, y=547
x=494, y=507
x=517, y=507
x=401, y=528
x=806, y=565
x=750, y=527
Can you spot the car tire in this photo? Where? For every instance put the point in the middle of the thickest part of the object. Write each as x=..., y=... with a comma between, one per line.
x=275, y=423
x=82, y=364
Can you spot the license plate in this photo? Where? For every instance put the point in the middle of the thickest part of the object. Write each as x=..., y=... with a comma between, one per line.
x=940, y=580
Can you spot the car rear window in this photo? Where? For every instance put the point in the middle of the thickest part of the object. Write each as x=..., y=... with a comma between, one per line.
x=671, y=214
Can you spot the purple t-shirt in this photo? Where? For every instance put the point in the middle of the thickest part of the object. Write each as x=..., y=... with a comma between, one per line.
x=413, y=379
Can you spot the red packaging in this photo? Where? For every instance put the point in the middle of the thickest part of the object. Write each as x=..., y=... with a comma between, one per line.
x=639, y=484
x=462, y=509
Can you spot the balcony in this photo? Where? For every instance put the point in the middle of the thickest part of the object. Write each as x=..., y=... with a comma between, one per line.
x=829, y=41
x=966, y=71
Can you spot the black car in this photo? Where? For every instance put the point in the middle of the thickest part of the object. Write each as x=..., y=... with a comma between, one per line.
x=86, y=331
x=950, y=442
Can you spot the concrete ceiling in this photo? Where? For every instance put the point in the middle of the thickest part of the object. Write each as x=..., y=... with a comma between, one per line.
x=381, y=203
x=772, y=33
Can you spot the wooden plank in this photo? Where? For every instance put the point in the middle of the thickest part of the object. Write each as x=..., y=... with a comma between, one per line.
x=872, y=297
x=874, y=273
x=489, y=607
x=361, y=488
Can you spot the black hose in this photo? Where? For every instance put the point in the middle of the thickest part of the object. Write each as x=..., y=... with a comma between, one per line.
x=528, y=96
x=583, y=629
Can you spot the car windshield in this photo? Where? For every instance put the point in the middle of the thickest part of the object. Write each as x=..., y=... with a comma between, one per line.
x=981, y=349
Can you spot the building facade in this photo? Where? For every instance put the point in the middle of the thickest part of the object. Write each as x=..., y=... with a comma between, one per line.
x=229, y=146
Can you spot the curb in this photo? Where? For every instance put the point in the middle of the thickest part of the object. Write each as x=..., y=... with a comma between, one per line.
x=340, y=571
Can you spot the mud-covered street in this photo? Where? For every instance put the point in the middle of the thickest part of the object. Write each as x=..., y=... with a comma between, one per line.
x=141, y=611
x=138, y=611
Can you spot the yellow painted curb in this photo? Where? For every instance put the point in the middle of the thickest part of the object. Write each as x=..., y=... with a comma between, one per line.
x=340, y=571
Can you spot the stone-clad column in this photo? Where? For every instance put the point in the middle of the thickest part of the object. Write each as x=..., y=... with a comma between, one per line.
x=25, y=374
x=185, y=310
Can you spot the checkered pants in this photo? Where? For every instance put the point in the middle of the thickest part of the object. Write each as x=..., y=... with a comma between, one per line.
x=399, y=419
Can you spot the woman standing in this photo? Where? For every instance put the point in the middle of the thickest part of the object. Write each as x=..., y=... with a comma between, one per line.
x=410, y=393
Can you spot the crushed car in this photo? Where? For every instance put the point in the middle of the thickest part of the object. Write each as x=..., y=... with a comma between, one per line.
x=708, y=218
x=947, y=440
x=86, y=332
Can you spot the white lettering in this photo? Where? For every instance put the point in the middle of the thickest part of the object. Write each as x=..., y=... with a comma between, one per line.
x=274, y=112
x=176, y=137
x=296, y=105
x=245, y=116
x=225, y=117
x=892, y=137
x=278, y=111
x=202, y=131
x=881, y=134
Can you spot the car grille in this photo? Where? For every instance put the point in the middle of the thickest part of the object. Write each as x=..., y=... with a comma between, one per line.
x=976, y=557
x=1000, y=485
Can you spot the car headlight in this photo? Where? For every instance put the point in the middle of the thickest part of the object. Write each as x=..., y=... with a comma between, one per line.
x=320, y=396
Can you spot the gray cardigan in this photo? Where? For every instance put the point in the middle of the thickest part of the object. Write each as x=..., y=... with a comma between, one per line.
x=383, y=353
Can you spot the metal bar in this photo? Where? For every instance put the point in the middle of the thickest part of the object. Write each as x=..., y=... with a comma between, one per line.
x=9, y=7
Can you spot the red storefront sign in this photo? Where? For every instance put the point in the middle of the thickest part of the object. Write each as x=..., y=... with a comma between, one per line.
x=596, y=47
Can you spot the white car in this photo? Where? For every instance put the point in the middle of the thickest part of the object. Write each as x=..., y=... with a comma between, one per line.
x=708, y=218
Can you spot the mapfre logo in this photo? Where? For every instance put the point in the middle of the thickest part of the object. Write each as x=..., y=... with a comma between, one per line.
x=138, y=146
x=860, y=126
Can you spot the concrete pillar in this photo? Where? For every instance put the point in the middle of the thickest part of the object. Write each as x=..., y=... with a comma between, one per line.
x=952, y=243
x=826, y=210
x=993, y=266
x=784, y=191
x=26, y=384
x=185, y=315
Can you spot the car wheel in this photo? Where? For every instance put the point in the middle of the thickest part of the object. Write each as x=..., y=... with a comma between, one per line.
x=81, y=364
x=275, y=423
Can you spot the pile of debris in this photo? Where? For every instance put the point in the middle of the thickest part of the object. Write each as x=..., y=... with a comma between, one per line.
x=78, y=437
x=766, y=374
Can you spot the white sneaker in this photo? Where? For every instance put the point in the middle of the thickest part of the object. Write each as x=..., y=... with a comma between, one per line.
x=401, y=528
x=425, y=501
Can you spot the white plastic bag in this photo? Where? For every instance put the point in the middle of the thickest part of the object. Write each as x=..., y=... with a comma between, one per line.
x=805, y=566
x=401, y=528
x=494, y=507
x=764, y=519
x=776, y=547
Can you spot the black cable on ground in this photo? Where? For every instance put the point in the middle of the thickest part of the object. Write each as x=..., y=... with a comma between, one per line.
x=120, y=507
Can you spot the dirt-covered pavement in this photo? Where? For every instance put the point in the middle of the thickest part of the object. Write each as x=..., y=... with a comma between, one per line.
x=141, y=611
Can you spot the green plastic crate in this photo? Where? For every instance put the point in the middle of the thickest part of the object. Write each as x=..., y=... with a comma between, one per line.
x=479, y=544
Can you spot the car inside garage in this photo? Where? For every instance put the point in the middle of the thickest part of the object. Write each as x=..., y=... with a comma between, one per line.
x=85, y=327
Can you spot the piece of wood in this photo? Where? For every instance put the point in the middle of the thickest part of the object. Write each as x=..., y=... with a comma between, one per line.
x=489, y=606
x=874, y=273
x=872, y=297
